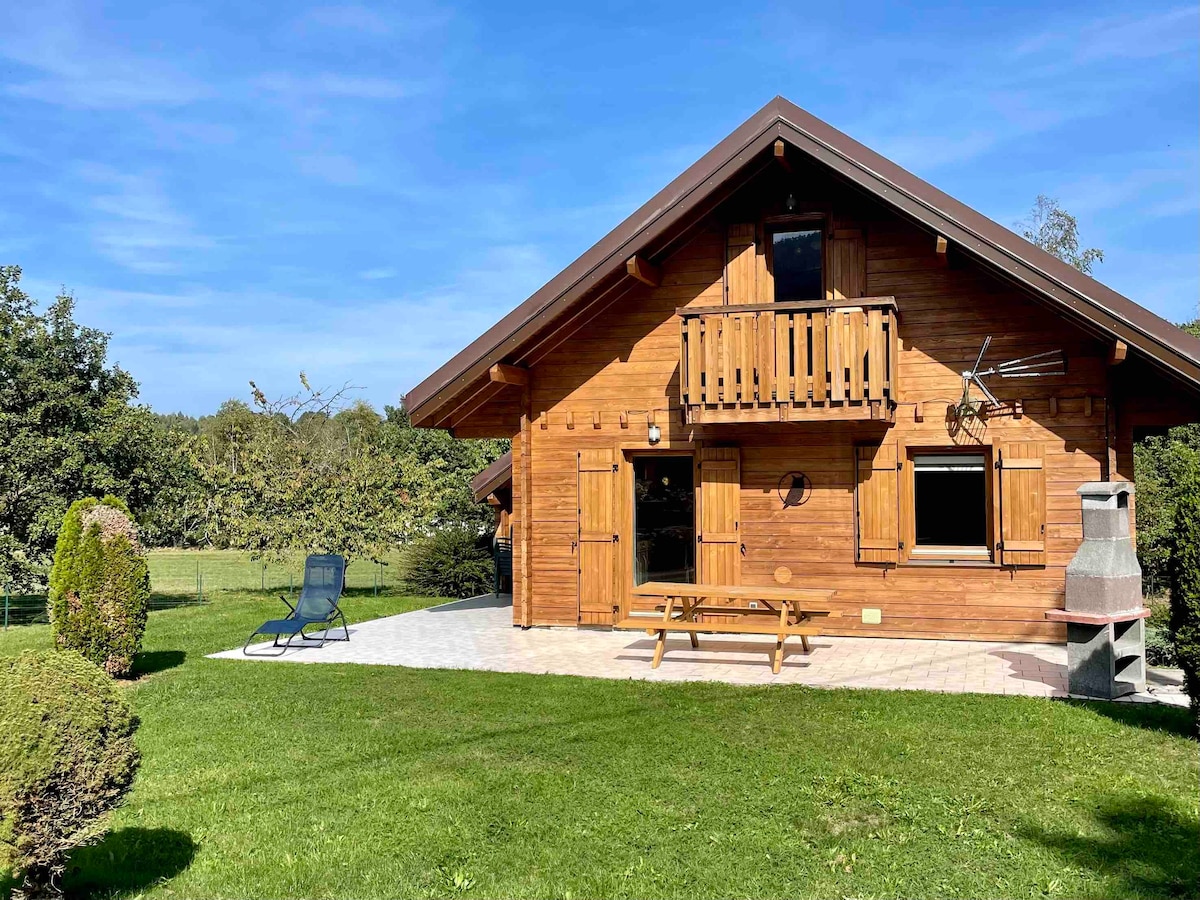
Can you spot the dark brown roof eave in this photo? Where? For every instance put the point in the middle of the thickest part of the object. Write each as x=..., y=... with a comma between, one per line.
x=1019, y=260
x=494, y=477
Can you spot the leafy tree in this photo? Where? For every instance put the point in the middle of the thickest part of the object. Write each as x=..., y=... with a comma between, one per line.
x=1056, y=231
x=1185, y=584
x=437, y=469
x=1161, y=464
x=312, y=471
x=69, y=428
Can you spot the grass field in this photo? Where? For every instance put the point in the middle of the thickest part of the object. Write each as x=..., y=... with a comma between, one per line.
x=182, y=576
x=273, y=780
x=178, y=571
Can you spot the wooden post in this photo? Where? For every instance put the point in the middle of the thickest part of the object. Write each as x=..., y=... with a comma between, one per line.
x=526, y=607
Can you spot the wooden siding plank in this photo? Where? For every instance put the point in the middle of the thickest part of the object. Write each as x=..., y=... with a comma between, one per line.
x=856, y=348
x=876, y=354
x=820, y=358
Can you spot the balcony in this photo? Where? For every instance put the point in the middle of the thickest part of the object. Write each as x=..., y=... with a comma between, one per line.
x=819, y=360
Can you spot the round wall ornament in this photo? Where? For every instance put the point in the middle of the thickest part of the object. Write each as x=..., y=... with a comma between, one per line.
x=794, y=489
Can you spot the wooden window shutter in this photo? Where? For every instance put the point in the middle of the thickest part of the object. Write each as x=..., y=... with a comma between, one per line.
x=598, y=536
x=847, y=265
x=1022, y=504
x=876, y=501
x=720, y=511
x=741, y=266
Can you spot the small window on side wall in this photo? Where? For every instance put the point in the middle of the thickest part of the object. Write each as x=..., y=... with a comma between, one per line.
x=796, y=255
x=950, y=507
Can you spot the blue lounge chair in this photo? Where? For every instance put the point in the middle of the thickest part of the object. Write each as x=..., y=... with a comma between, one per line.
x=324, y=577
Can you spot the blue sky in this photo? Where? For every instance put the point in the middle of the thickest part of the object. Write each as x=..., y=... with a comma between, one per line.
x=246, y=190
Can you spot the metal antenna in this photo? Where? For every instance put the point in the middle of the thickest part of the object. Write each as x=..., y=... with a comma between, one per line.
x=1037, y=365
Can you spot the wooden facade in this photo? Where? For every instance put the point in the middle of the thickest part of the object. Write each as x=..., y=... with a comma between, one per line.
x=845, y=395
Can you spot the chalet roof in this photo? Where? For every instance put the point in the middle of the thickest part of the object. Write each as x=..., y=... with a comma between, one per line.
x=651, y=228
x=494, y=477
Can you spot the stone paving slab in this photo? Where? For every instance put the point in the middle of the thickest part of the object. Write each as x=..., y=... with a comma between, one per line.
x=478, y=634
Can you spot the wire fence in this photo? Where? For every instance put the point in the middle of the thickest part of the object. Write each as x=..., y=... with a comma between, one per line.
x=191, y=577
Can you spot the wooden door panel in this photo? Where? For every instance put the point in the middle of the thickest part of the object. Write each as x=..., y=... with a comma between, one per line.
x=597, y=536
x=720, y=511
x=1022, y=505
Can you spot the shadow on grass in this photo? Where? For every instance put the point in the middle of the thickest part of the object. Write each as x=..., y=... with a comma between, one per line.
x=1176, y=720
x=152, y=661
x=1148, y=850
x=128, y=860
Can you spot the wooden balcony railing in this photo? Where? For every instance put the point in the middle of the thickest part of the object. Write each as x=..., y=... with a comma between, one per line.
x=795, y=361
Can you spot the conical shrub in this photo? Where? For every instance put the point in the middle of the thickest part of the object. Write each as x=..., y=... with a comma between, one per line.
x=99, y=585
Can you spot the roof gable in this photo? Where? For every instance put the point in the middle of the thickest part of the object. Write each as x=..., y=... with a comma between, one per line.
x=652, y=227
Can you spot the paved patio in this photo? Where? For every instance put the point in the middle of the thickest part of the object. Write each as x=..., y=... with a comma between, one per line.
x=478, y=634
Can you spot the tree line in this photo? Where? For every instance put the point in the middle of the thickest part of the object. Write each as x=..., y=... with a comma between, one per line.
x=314, y=470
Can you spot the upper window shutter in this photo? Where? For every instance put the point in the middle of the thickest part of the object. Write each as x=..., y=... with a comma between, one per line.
x=597, y=535
x=877, y=511
x=847, y=278
x=1022, y=505
x=720, y=511
x=741, y=266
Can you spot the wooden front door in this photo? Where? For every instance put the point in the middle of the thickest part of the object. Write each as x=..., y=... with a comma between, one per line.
x=720, y=539
x=598, y=536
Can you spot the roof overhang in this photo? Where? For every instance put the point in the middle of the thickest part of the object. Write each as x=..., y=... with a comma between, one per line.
x=495, y=477
x=649, y=230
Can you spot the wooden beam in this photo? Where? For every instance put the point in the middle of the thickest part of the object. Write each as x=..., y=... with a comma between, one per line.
x=781, y=155
x=1117, y=354
x=453, y=413
x=942, y=248
x=501, y=373
x=644, y=271
x=526, y=510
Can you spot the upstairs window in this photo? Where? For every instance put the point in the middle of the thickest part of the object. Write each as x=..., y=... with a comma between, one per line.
x=796, y=255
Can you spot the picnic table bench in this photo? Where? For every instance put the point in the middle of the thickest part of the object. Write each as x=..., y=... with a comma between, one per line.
x=788, y=612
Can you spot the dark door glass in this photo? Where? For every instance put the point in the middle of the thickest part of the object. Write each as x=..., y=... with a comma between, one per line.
x=664, y=519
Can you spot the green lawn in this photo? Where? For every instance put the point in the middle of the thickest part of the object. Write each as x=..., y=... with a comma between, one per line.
x=180, y=576
x=175, y=572
x=286, y=780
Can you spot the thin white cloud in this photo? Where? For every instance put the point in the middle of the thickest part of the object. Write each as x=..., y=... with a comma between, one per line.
x=334, y=168
x=60, y=61
x=132, y=222
x=1131, y=36
x=332, y=84
x=379, y=274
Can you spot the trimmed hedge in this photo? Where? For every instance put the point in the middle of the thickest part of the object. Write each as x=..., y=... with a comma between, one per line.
x=453, y=562
x=1184, y=571
x=99, y=585
x=67, y=758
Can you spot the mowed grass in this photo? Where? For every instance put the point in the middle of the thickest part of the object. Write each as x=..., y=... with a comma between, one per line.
x=181, y=571
x=286, y=780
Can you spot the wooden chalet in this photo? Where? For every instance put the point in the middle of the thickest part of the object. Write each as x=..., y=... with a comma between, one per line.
x=757, y=380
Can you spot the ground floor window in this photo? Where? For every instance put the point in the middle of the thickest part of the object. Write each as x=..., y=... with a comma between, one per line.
x=664, y=519
x=950, y=506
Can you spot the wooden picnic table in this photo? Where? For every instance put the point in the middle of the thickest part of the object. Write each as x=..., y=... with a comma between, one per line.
x=790, y=612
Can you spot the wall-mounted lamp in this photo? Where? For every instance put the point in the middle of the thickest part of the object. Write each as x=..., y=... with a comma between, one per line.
x=654, y=434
